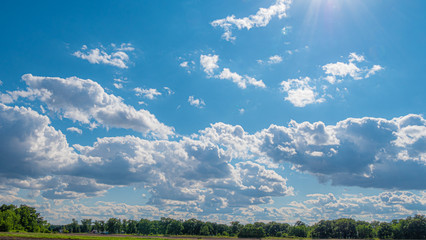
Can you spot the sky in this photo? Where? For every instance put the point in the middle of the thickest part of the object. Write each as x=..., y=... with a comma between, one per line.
x=245, y=110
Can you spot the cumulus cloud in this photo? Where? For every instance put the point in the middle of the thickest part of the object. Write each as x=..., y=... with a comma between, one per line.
x=305, y=91
x=241, y=81
x=209, y=63
x=199, y=103
x=342, y=70
x=30, y=147
x=260, y=19
x=118, y=57
x=275, y=59
x=84, y=100
x=202, y=176
x=147, y=93
x=221, y=169
x=365, y=152
x=300, y=93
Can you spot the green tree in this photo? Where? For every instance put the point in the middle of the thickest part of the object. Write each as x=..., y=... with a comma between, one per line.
x=250, y=231
x=8, y=221
x=144, y=227
x=345, y=228
x=365, y=231
x=299, y=229
x=205, y=230
x=175, y=227
x=323, y=229
x=416, y=228
x=113, y=225
x=384, y=231
x=235, y=228
x=86, y=225
x=99, y=226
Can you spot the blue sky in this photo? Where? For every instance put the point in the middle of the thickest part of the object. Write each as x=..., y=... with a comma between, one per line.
x=243, y=110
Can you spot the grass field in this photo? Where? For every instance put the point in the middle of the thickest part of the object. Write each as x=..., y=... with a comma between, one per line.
x=82, y=236
x=18, y=236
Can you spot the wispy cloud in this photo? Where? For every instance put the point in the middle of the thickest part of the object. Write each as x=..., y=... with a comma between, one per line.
x=209, y=64
x=74, y=129
x=199, y=103
x=118, y=56
x=241, y=81
x=260, y=19
x=147, y=93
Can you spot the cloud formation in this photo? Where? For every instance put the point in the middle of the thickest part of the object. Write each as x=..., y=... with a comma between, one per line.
x=117, y=58
x=147, y=93
x=340, y=69
x=216, y=170
x=209, y=64
x=84, y=100
x=199, y=103
x=365, y=152
x=260, y=19
x=299, y=92
x=241, y=81
x=304, y=91
x=30, y=147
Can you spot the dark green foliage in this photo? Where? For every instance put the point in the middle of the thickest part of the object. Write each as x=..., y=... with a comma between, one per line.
x=174, y=227
x=365, y=231
x=113, y=225
x=24, y=218
x=251, y=231
x=86, y=225
x=384, y=231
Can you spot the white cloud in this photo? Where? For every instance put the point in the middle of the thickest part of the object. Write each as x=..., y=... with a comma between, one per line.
x=373, y=70
x=241, y=81
x=184, y=64
x=118, y=85
x=169, y=91
x=85, y=100
x=272, y=60
x=209, y=63
x=199, y=103
x=205, y=180
x=117, y=58
x=285, y=30
x=275, y=59
x=300, y=93
x=341, y=69
x=365, y=152
x=29, y=146
x=74, y=129
x=147, y=93
x=355, y=57
x=260, y=19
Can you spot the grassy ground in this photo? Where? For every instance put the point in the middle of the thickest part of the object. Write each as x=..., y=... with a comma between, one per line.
x=67, y=236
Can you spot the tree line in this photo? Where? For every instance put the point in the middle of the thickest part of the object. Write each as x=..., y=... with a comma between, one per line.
x=343, y=228
x=27, y=219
